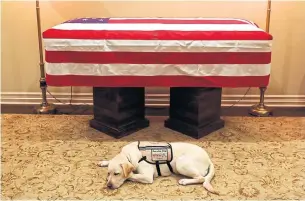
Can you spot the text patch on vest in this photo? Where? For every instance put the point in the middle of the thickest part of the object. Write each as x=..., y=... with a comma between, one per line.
x=156, y=151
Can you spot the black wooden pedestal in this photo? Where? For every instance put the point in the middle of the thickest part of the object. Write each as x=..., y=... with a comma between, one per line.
x=119, y=111
x=195, y=111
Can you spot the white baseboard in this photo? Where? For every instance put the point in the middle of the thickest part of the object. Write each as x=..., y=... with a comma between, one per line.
x=152, y=99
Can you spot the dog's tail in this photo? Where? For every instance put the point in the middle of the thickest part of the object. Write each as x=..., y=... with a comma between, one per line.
x=207, y=179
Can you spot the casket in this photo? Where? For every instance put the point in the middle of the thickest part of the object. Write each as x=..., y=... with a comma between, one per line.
x=158, y=52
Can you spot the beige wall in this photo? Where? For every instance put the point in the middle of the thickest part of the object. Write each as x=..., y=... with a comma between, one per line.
x=20, y=71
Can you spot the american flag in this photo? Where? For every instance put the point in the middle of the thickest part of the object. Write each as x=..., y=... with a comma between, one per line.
x=202, y=52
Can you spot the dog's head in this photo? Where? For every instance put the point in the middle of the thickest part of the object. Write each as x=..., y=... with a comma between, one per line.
x=119, y=170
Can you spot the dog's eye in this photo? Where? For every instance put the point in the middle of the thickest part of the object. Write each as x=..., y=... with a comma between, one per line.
x=116, y=173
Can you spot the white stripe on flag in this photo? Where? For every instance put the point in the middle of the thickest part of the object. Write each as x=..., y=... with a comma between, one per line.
x=157, y=45
x=157, y=69
x=186, y=18
x=153, y=27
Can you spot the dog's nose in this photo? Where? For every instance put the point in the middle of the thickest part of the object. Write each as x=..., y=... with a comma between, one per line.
x=109, y=185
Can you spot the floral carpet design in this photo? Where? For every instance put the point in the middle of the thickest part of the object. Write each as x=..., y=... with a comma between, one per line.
x=55, y=157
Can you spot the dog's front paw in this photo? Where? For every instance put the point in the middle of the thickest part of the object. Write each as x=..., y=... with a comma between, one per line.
x=103, y=163
x=183, y=182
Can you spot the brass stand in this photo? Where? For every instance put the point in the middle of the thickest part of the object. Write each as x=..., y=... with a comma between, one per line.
x=45, y=107
x=260, y=109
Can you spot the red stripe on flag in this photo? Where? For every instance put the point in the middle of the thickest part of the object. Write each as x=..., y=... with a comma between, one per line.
x=157, y=81
x=177, y=21
x=156, y=35
x=159, y=57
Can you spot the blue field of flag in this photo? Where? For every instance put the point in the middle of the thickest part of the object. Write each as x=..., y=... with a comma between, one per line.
x=88, y=20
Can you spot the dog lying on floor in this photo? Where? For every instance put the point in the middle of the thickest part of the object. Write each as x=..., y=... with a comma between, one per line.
x=144, y=161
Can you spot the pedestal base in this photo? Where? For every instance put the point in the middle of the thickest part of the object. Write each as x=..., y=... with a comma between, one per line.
x=122, y=131
x=119, y=111
x=194, y=131
x=260, y=110
x=45, y=109
x=195, y=111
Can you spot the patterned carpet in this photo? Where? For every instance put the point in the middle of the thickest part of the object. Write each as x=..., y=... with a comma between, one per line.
x=54, y=157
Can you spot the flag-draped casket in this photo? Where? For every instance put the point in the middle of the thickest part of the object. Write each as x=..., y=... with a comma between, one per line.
x=206, y=52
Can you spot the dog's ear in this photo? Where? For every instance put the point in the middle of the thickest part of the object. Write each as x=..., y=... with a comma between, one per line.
x=127, y=169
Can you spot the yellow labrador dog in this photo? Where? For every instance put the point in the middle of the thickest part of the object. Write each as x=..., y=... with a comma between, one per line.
x=143, y=161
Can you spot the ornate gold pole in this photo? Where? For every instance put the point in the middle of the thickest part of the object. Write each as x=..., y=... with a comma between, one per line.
x=45, y=107
x=260, y=109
